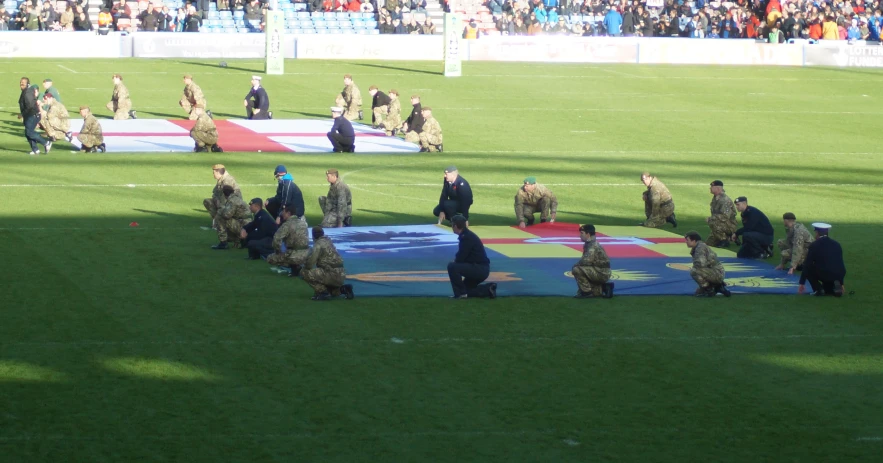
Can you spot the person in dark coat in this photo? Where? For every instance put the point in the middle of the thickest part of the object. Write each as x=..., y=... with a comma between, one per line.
x=413, y=125
x=379, y=105
x=257, y=235
x=29, y=109
x=756, y=232
x=471, y=265
x=456, y=197
x=287, y=194
x=823, y=267
x=257, y=103
x=342, y=136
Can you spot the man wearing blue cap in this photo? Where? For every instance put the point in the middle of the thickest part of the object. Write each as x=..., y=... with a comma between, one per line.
x=823, y=267
x=456, y=197
x=287, y=194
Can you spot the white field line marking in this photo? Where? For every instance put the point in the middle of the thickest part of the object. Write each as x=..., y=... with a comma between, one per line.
x=452, y=340
x=725, y=153
x=275, y=436
x=869, y=439
x=87, y=89
x=582, y=131
x=618, y=73
x=68, y=69
x=355, y=185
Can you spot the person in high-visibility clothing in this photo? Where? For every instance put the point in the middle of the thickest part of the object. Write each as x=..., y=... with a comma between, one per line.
x=105, y=19
x=471, y=30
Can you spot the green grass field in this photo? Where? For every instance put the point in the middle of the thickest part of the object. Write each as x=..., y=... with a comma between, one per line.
x=122, y=344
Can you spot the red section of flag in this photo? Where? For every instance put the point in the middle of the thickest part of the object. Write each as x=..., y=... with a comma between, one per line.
x=233, y=137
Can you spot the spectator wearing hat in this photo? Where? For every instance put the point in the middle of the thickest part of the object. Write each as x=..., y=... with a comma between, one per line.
x=456, y=196
x=659, y=207
x=533, y=197
x=723, y=216
x=91, y=137
x=120, y=104
x=823, y=267
x=756, y=232
x=287, y=194
x=337, y=206
x=192, y=97
x=257, y=235
x=204, y=133
x=379, y=105
x=707, y=271
x=256, y=102
x=291, y=245
x=232, y=215
x=795, y=245
x=413, y=125
x=431, y=136
x=471, y=265
x=350, y=99
x=222, y=179
x=324, y=270
x=342, y=136
x=592, y=272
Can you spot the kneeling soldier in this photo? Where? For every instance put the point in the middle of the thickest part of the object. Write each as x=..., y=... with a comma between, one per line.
x=795, y=246
x=232, y=216
x=707, y=271
x=337, y=207
x=90, y=136
x=324, y=270
x=534, y=197
x=291, y=243
x=592, y=272
x=204, y=132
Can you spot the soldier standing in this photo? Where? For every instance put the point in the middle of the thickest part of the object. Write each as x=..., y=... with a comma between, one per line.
x=723, y=217
x=431, y=136
x=707, y=271
x=796, y=244
x=120, y=104
x=379, y=105
x=456, y=197
x=337, y=207
x=204, y=132
x=290, y=242
x=393, y=120
x=91, y=137
x=592, y=272
x=57, y=121
x=222, y=179
x=192, y=98
x=232, y=216
x=350, y=99
x=534, y=197
x=324, y=270
x=658, y=205
x=414, y=123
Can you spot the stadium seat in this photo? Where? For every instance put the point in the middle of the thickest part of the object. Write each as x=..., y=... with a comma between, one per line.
x=205, y=29
x=212, y=15
x=321, y=31
x=230, y=30
x=238, y=14
x=330, y=15
x=226, y=14
x=374, y=31
x=317, y=14
x=370, y=24
x=300, y=7
x=302, y=15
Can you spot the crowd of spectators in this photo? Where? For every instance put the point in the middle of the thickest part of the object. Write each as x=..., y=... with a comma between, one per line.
x=774, y=20
x=33, y=15
x=396, y=17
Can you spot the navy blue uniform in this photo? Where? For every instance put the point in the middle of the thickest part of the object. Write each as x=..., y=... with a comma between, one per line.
x=258, y=99
x=456, y=198
x=287, y=194
x=756, y=232
x=260, y=231
x=380, y=99
x=470, y=267
x=823, y=265
x=415, y=120
x=342, y=136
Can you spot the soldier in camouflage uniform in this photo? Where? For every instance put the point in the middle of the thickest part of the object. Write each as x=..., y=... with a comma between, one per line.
x=204, y=132
x=658, y=205
x=232, y=216
x=534, y=197
x=337, y=207
x=707, y=271
x=324, y=270
x=91, y=137
x=795, y=246
x=56, y=122
x=192, y=98
x=592, y=272
x=350, y=99
x=723, y=217
x=393, y=121
x=293, y=235
x=120, y=103
x=222, y=179
x=431, y=136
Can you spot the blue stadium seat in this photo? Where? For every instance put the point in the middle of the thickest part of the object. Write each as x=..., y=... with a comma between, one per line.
x=330, y=15
x=317, y=14
x=239, y=14
x=296, y=31
x=302, y=15
x=230, y=30
x=335, y=31
x=370, y=24
x=373, y=32
x=321, y=31
x=289, y=15
x=309, y=31
x=362, y=31
x=213, y=15
x=243, y=30
x=206, y=29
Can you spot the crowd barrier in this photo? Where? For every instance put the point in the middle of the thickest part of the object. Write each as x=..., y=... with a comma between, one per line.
x=551, y=49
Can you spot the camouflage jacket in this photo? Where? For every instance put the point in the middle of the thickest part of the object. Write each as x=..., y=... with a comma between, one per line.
x=533, y=198
x=704, y=257
x=292, y=232
x=58, y=116
x=395, y=112
x=723, y=212
x=205, y=124
x=91, y=127
x=193, y=94
x=433, y=130
x=594, y=256
x=339, y=199
x=225, y=180
x=798, y=240
x=120, y=93
x=352, y=96
x=658, y=193
x=324, y=255
x=234, y=208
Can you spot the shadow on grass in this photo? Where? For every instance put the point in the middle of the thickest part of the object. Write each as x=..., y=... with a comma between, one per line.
x=395, y=68
x=219, y=67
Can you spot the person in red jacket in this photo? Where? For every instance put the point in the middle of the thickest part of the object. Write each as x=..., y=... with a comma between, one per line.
x=354, y=6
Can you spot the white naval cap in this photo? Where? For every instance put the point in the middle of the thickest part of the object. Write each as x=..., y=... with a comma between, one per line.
x=255, y=77
x=336, y=109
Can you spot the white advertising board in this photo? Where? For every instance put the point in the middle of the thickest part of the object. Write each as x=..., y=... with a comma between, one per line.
x=717, y=52
x=26, y=44
x=381, y=47
x=199, y=45
x=553, y=49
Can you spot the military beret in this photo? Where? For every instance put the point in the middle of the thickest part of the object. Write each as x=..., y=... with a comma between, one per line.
x=450, y=169
x=84, y=107
x=280, y=169
x=717, y=183
x=47, y=80
x=588, y=228
x=117, y=76
x=741, y=199
x=427, y=108
x=257, y=201
x=394, y=91
x=332, y=171
x=373, y=87
x=218, y=166
x=188, y=76
x=789, y=216
x=530, y=180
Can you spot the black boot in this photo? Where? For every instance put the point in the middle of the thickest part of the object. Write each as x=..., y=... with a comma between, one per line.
x=722, y=288
x=209, y=114
x=101, y=148
x=360, y=114
x=321, y=297
x=347, y=291
x=672, y=219
x=607, y=292
x=133, y=115
x=492, y=290
x=838, y=288
x=221, y=245
x=217, y=149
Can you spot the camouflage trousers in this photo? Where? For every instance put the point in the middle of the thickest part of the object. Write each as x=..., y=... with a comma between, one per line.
x=331, y=218
x=229, y=229
x=120, y=109
x=56, y=128
x=719, y=233
x=542, y=206
x=430, y=142
x=706, y=277
x=211, y=206
x=379, y=112
x=203, y=139
x=351, y=113
x=325, y=280
x=189, y=108
x=590, y=279
x=391, y=123
x=786, y=253
x=89, y=141
x=657, y=219
x=412, y=137
x=290, y=258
